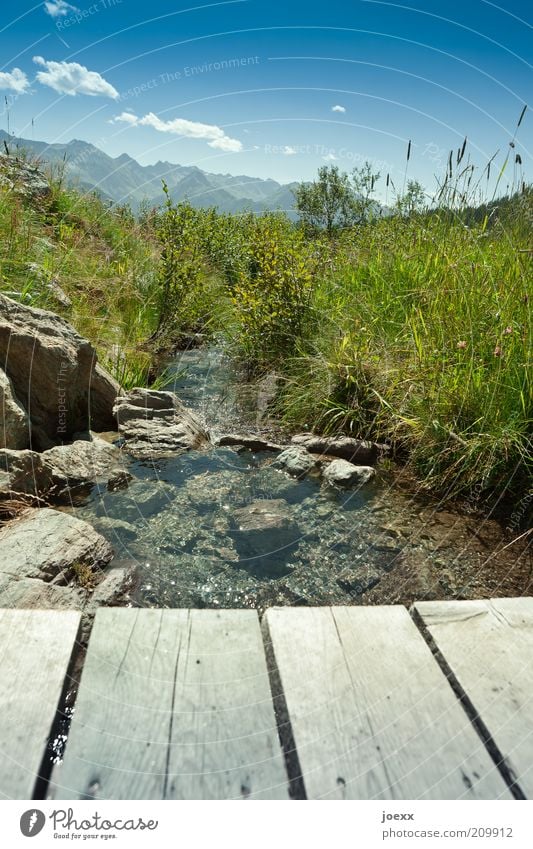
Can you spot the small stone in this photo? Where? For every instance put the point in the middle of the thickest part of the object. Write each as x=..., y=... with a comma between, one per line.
x=345, y=447
x=251, y=442
x=354, y=581
x=343, y=473
x=296, y=461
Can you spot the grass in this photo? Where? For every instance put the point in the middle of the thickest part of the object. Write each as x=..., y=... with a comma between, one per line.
x=421, y=337
x=413, y=329
x=99, y=256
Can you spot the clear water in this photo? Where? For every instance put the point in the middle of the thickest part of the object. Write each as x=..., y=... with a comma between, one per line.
x=184, y=521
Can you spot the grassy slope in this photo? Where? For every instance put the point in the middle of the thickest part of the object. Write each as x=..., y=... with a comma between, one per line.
x=418, y=332
x=100, y=258
x=422, y=336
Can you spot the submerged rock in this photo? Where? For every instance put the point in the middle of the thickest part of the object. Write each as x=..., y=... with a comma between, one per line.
x=356, y=581
x=44, y=543
x=253, y=443
x=343, y=473
x=112, y=589
x=14, y=426
x=265, y=537
x=296, y=461
x=154, y=424
x=54, y=373
x=344, y=447
x=263, y=515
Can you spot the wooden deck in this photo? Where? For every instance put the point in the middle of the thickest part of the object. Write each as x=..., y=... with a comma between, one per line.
x=317, y=703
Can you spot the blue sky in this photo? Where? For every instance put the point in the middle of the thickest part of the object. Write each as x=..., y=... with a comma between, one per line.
x=272, y=89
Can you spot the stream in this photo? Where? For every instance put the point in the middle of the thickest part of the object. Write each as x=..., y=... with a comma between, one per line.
x=224, y=528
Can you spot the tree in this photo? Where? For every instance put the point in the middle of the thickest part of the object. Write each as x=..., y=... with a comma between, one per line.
x=363, y=185
x=413, y=200
x=334, y=200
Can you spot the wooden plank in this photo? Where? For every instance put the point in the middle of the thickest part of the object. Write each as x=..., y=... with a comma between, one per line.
x=35, y=650
x=488, y=646
x=174, y=704
x=371, y=713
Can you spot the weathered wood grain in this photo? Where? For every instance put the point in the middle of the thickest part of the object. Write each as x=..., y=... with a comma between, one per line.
x=488, y=647
x=35, y=650
x=173, y=704
x=370, y=711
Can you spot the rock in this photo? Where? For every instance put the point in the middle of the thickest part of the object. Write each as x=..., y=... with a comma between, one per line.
x=57, y=293
x=84, y=463
x=119, y=479
x=36, y=594
x=296, y=461
x=14, y=426
x=154, y=424
x=22, y=177
x=44, y=543
x=355, y=581
x=253, y=443
x=265, y=529
x=151, y=399
x=340, y=446
x=262, y=515
x=112, y=589
x=116, y=530
x=142, y=500
x=55, y=374
x=24, y=472
x=343, y=473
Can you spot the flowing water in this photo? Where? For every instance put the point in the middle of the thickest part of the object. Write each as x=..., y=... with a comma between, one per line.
x=222, y=527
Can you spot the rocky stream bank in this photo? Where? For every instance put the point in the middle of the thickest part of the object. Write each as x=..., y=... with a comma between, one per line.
x=113, y=497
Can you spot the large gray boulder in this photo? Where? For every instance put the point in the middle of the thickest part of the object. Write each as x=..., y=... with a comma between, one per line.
x=14, y=430
x=154, y=424
x=33, y=593
x=44, y=543
x=83, y=463
x=355, y=450
x=55, y=374
x=25, y=472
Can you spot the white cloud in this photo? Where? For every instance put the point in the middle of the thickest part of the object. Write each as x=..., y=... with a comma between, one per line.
x=329, y=157
x=59, y=8
x=71, y=78
x=338, y=108
x=126, y=118
x=227, y=144
x=215, y=136
x=14, y=81
x=288, y=150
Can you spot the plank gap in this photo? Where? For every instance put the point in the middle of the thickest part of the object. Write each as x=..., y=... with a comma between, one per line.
x=483, y=732
x=286, y=737
x=66, y=702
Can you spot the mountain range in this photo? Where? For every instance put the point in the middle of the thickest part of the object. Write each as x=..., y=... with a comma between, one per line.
x=124, y=180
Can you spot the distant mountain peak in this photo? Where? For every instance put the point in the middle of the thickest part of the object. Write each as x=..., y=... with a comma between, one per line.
x=124, y=180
